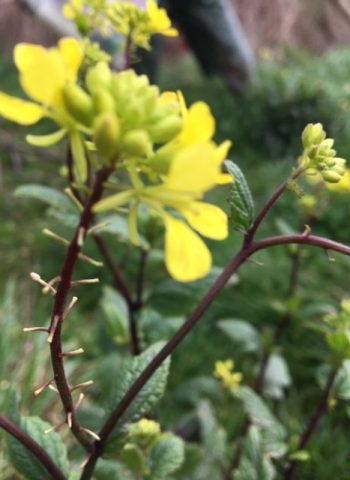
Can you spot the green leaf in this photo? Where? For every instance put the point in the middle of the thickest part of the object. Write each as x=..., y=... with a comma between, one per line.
x=134, y=459
x=255, y=464
x=241, y=200
x=277, y=377
x=115, y=312
x=24, y=461
x=261, y=416
x=166, y=457
x=150, y=393
x=108, y=470
x=213, y=435
x=242, y=333
x=48, y=195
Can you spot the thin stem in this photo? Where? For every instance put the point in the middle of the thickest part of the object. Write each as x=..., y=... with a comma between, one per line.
x=33, y=447
x=319, y=413
x=118, y=277
x=63, y=289
x=269, y=204
x=246, y=251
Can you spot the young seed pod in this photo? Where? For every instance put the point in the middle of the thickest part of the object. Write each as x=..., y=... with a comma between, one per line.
x=78, y=103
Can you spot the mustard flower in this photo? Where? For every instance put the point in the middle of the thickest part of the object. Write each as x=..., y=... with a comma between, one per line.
x=224, y=372
x=193, y=171
x=43, y=74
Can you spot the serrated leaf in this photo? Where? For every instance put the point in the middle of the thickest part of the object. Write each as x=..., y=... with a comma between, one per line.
x=241, y=332
x=166, y=457
x=24, y=462
x=240, y=200
x=115, y=312
x=48, y=195
x=150, y=393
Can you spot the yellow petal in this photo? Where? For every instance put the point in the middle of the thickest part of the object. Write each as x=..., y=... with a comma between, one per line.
x=44, y=76
x=20, y=111
x=221, y=151
x=207, y=219
x=199, y=125
x=193, y=170
x=186, y=256
x=25, y=54
x=224, y=179
x=72, y=54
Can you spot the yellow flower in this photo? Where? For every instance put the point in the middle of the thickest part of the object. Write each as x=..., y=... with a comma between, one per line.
x=198, y=127
x=159, y=22
x=72, y=9
x=224, y=372
x=43, y=74
x=193, y=171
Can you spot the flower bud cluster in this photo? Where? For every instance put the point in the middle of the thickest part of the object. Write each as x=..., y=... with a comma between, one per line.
x=319, y=155
x=126, y=114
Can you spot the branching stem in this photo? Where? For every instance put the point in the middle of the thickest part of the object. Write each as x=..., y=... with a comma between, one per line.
x=63, y=289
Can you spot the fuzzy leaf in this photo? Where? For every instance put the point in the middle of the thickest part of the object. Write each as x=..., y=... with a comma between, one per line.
x=241, y=332
x=48, y=195
x=24, y=462
x=166, y=457
x=150, y=393
x=240, y=200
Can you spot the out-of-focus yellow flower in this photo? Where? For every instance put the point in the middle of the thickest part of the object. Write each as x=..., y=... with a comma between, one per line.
x=224, y=372
x=43, y=74
x=123, y=17
x=193, y=171
x=146, y=427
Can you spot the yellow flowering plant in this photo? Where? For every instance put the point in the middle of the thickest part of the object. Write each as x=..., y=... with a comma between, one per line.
x=140, y=164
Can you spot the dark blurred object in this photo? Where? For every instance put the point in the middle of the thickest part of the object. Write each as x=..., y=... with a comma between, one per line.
x=214, y=33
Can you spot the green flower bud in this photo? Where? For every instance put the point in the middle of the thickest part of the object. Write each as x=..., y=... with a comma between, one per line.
x=331, y=176
x=98, y=76
x=160, y=162
x=78, y=103
x=103, y=101
x=136, y=143
x=313, y=134
x=106, y=134
x=165, y=130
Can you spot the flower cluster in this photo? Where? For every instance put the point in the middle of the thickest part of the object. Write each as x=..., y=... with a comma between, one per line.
x=124, y=18
x=122, y=121
x=224, y=372
x=319, y=155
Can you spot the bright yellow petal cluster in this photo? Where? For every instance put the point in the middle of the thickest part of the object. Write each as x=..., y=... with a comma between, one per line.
x=224, y=372
x=158, y=20
x=193, y=171
x=43, y=74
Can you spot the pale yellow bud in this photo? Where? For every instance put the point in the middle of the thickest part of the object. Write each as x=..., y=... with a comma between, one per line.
x=106, y=134
x=78, y=103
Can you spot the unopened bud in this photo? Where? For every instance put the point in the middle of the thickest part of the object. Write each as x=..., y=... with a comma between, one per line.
x=165, y=130
x=313, y=134
x=330, y=176
x=103, y=101
x=137, y=142
x=106, y=134
x=78, y=103
x=98, y=76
